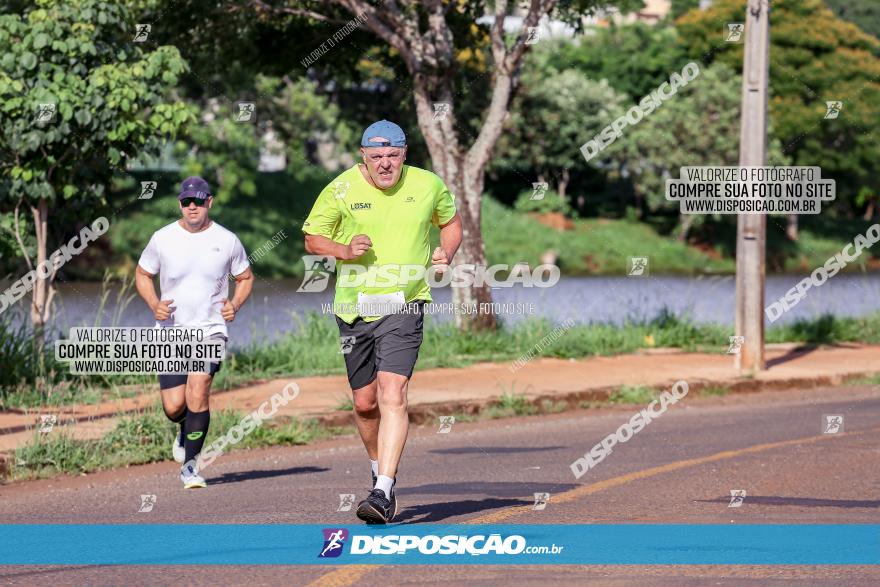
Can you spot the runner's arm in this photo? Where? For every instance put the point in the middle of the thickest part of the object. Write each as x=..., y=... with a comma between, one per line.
x=321, y=224
x=317, y=244
x=148, y=266
x=450, y=237
x=244, y=283
x=143, y=281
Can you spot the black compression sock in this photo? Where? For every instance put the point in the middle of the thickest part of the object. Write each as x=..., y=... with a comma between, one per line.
x=194, y=431
x=179, y=419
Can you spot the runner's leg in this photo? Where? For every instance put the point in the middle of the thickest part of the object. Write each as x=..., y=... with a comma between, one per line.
x=358, y=348
x=172, y=389
x=397, y=338
x=394, y=421
x=198, y=387
x=366, y=417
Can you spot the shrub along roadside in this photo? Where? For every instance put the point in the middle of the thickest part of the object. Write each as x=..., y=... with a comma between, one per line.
x=313, y=349
x=146, y=437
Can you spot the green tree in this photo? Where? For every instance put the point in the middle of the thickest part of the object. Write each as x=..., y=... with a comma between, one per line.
x=107, y=103
x=700, y=126
x=611, y=54
x=679, y=7
x=228, y=150
x=815, y=57
x=553, y=111
x=424, y=38
x=863, y=13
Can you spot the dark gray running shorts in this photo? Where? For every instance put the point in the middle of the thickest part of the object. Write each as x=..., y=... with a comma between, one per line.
x=176, y=379
x=388, y=344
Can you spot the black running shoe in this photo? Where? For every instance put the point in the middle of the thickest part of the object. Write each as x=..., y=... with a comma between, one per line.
x=377, y=509
x=393, y=501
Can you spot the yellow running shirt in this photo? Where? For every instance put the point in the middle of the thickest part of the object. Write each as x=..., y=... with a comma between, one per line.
x=397, y=220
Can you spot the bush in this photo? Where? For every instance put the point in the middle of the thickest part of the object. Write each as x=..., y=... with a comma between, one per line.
x=551, y=202
x=145, y=437
x=20, y=362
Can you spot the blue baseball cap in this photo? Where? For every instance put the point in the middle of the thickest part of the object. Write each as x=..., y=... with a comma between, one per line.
x=194, y=187
x=387, y=130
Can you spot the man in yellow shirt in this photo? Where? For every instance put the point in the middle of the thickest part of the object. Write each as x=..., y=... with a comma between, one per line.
x=375, y=219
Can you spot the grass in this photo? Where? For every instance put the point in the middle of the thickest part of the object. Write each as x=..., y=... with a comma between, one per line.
x=312, y=349
x=602, y=246
x=598, y=246
x=463, y=417
x=714, y=391
x=829, y=330
x=868, y=380
x=594, y=246
x=553, y=407
x=145, y=437
x=627, y=394
x=345, y=405
x=510, y=405
x=31, y=379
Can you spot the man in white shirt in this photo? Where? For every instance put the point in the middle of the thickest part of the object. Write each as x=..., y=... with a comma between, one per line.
x=193, y=257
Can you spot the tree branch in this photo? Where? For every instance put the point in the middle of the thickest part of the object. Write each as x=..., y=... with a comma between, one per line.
x=537, y=10
x=507, y=64
x=441, y=36
x=383, y=29
x=27, y=258
x=262, y=7
x=47, y=304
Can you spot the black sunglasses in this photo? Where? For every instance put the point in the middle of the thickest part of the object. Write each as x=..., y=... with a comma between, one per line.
x=187, y=201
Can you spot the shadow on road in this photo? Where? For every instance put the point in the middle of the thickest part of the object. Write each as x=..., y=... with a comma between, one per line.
x=464, y=450
x=801, y=501
x=264, y=474
x=435, y=512
x=791, y=355
x=58, y=569
x=516, y=489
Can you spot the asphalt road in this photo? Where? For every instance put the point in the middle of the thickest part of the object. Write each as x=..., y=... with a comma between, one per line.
x=680, y=469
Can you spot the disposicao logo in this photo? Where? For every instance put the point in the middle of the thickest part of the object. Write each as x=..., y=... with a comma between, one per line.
x=334, y=540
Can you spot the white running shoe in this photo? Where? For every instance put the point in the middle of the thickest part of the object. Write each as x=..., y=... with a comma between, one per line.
x=191, y=478
x=177, y=450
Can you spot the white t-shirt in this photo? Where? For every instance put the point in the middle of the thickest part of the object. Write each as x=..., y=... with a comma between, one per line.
x=194, y=270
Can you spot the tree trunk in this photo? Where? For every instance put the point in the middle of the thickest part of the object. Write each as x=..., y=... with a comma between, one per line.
x=466, y=183
x=562, y=184
x=426, y=45
x=472, y=252
x=685, y=222
x=791, y=230
x=639, y=201
x=869, y=211
x=43, y=291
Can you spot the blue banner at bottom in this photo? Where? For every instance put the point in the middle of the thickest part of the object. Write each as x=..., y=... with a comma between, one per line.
x=524, y=544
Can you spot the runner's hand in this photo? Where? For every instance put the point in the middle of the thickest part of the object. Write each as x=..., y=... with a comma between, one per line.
x=228, y=311
x=359, y=245
x=439, y=260
x=163, y=310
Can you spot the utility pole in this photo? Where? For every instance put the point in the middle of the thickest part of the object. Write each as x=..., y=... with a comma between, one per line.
x=751, y=229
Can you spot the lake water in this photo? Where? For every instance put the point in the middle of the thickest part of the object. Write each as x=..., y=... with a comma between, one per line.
x=275, y=306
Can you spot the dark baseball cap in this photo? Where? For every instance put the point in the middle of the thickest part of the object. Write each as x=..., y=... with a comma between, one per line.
x=194, y=187
x=387, y=130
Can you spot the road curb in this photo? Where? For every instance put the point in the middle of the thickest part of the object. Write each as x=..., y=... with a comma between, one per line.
x=429, y=413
